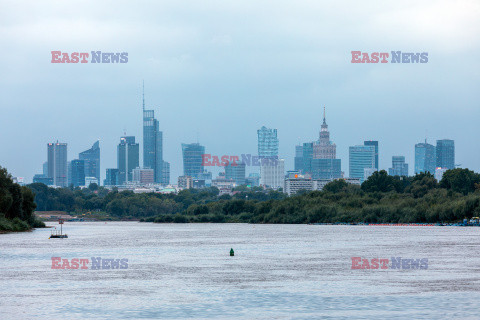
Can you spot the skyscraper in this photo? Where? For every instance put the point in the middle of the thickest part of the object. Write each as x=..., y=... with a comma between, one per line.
x=425, y=158
x=399, y=167
x=127, y=158
x=361, y=158
x=324, y=164
x=267, y=142
x=45, y=168
x=375, y=144
x=166, y=173
x=192, y=159
x=299, y=158
x=235, y=172
x=57, y=163
x=152, y=144
x=324, y=148
x=77, y=172
x=319, y=158
x=91, y=158
x=111, y=177
x=326, y=169
x=445, y=154
x=307, y=157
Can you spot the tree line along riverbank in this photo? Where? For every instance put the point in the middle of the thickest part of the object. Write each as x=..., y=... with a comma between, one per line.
x=380, y=199
x=17, y=205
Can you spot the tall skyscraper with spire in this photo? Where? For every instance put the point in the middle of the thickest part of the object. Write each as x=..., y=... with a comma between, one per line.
x=320, y=157
x=324, y=148
x=153, y=144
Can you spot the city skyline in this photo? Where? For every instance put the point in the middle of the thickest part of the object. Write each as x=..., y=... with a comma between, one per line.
x=216, y=83
x=321, y=154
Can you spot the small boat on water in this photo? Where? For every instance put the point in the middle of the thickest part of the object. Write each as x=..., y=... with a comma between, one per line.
x=56, y=234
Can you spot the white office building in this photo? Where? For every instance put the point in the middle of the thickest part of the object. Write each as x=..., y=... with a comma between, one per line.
x=272, y=174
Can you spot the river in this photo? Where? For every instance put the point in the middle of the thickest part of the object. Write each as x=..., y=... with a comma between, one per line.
x=180, y=271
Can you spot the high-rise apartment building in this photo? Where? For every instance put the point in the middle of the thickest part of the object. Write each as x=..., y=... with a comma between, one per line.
x=425, y=158
x=91, y=159
x=445, y=154
x=192, y=159
x=361, y=157
x=399, y=167
x=127, y=158
x=267, y=142
x=57, y=163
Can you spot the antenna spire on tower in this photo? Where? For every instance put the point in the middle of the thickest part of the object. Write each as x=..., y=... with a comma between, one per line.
x=143, y=94
x=324, y=119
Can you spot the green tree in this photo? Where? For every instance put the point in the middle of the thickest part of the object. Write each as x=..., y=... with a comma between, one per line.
x=93, y=187
x=336, y=186
x=421, y=184
x=380, y=181
x=460, y=180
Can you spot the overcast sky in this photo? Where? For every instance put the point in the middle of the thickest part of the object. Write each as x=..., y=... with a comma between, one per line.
x=216, y=71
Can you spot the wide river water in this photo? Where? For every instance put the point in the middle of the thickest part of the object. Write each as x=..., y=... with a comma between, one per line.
x=179, y=271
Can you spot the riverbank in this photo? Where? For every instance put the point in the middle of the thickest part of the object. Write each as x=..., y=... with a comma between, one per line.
x=52, y=216
x=17, y=225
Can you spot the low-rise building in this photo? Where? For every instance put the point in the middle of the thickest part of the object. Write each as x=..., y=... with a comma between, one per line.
x=143, y=176
x=185, y=182
x=300, y=182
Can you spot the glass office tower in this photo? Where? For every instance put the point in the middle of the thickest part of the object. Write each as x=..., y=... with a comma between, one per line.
x=91, y=159
x=57, y=163
x=192, y=159
x=128, y=153
x=361, y=158
x=425, y=158
x=445, y=157
x=267, y=142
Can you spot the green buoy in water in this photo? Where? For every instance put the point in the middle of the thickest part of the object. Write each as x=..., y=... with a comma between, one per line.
x=231, y=252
